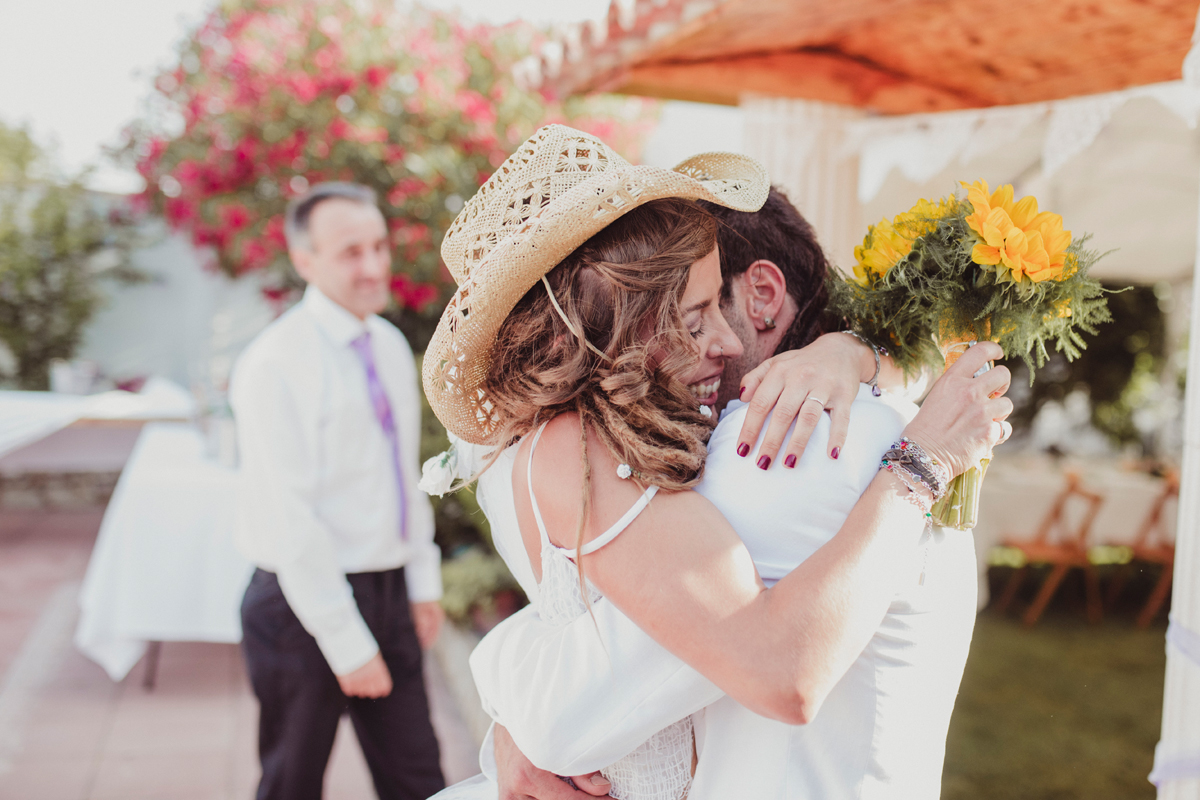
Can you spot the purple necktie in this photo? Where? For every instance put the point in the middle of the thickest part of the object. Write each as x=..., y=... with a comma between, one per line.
x=383, y=412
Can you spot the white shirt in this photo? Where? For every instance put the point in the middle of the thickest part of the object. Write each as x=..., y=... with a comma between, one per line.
x=576, y=698
x=317, y=493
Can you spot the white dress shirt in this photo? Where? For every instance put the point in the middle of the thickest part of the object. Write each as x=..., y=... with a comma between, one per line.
x=577, y=697
x=317, y=493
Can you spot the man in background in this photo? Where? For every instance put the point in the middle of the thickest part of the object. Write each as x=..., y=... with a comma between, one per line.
x=348, y=581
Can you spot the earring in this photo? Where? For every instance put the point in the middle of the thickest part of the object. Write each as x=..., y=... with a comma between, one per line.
x=769, y=323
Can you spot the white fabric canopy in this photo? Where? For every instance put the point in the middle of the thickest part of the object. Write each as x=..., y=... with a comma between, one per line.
x=922, y=145
x=1121, y=166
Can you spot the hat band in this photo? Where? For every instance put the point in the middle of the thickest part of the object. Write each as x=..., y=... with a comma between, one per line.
x=567, y=322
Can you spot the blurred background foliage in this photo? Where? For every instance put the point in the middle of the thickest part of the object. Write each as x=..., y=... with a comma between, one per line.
x=57, y=242
x=1126, y=373
x=268, y=97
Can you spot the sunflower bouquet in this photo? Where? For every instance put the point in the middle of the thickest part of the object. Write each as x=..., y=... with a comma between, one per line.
x=950, y=272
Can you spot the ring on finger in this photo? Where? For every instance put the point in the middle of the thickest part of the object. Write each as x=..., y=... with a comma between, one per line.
x=814, y=397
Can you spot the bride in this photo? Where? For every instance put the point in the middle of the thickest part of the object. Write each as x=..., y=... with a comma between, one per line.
x=583, y=346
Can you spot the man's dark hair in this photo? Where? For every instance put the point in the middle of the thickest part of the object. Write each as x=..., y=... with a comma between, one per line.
x=777, y=232
x=300, y=209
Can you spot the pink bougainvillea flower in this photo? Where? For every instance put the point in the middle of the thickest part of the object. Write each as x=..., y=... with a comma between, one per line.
x=412, y=295
x=275, y=95
x=179, y=211
x=235, y=216
x=376, y=75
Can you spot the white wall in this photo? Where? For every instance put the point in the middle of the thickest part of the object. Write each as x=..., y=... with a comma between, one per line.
x=686, y=129
x=187, y=324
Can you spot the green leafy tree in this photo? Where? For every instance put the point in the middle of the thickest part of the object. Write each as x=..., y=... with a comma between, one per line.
x=57, y=241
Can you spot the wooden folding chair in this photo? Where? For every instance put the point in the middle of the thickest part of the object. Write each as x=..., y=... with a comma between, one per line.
x=1151, y=546
x=1067, y=551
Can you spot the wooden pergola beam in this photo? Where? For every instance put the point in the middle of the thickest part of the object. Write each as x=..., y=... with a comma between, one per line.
x=827, y=76
x=890, y=56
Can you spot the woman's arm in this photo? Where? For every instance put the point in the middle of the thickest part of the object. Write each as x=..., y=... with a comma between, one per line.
x=681, y=573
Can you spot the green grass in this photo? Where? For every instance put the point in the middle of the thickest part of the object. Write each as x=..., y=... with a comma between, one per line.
x=1063, y=710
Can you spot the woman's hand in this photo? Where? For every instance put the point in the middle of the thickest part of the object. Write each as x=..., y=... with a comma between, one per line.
x=800, y=385
x=962, y=419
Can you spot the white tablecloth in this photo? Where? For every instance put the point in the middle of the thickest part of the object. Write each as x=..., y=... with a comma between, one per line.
x=26, y=417
x=164, y=567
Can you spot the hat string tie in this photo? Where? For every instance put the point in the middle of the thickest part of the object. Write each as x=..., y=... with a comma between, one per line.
x=578, y=335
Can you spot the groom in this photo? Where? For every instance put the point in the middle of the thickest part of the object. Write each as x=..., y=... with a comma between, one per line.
x=880, y=733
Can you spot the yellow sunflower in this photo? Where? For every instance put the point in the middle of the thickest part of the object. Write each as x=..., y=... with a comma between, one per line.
x=889, y=241
x=1015, y=237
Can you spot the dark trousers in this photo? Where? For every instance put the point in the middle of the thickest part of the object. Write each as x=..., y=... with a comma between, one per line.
x=300, y=700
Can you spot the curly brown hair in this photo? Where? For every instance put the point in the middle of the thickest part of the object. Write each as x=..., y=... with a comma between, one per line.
x=780, y=234
x=621, y=290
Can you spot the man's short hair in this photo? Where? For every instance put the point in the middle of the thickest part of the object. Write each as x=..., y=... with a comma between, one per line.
x=300, y=209
x=777, y=232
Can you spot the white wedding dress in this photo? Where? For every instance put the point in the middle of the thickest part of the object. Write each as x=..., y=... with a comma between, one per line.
x=584, y=694
x=660, y=768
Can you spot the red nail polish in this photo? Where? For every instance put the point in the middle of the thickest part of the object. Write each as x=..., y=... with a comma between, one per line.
x=743, y=449
x=837, y=451
x=790, y=461
x=764, y=462
x=741, y=391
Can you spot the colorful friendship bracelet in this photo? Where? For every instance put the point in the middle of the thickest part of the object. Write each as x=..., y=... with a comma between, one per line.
x=908, y=460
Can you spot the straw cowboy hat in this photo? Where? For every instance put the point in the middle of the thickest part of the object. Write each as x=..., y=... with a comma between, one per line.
x=555, y=192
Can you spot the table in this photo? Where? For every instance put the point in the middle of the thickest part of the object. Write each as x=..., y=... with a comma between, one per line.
x=164, y=567
x=26, y=417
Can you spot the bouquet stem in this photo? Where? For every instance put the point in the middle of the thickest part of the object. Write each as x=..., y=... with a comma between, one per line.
x=959, y=508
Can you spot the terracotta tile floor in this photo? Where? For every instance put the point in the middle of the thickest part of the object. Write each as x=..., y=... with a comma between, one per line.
x=67, y=732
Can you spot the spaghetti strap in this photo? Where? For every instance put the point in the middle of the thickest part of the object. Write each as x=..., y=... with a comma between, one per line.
x=595, y=544
x=537, y=512
x=621, y=524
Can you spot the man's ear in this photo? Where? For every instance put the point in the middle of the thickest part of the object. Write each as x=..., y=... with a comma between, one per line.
x=764, y=290
x=302, y=261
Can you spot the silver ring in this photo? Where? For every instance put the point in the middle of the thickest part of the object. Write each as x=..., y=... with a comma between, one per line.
x=814, y=397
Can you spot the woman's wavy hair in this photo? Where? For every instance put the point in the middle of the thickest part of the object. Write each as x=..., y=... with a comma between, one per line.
x=621, y=289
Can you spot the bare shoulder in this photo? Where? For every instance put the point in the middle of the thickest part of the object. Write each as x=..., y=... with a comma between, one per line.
x=558, y=482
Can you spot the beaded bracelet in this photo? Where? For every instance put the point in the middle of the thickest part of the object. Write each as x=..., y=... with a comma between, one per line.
x=916, y=491
x=877, y=351
x=909, y=457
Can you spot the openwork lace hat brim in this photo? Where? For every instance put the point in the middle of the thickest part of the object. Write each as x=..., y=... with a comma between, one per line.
x=561, y=187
